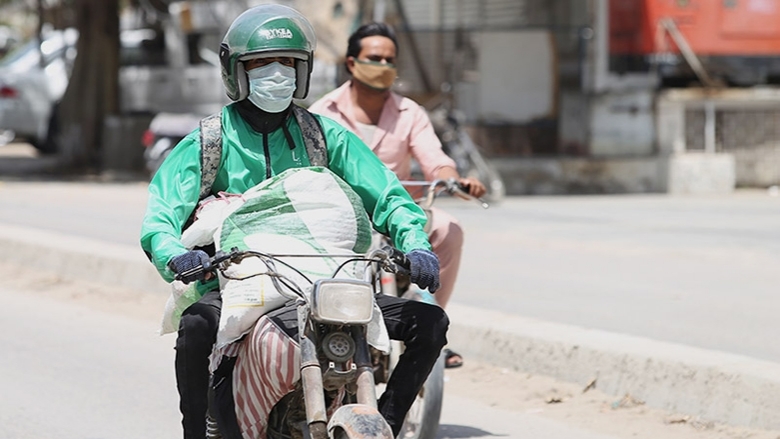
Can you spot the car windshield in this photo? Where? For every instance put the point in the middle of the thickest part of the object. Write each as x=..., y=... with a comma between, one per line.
x=27, y=56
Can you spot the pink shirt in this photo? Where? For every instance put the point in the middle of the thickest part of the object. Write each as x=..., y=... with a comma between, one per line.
x=404, y=131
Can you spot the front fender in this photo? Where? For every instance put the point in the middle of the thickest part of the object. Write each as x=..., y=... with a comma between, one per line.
x=359, y=421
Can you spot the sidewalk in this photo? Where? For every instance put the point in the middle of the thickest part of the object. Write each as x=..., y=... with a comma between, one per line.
x=712, y=385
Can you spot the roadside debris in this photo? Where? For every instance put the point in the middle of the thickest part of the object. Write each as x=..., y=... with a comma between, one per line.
x=554, y=400
x=590, y=385
x=627, y=401
x=693, y=422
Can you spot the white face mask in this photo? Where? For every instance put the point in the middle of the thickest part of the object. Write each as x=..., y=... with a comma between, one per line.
x=271, y=87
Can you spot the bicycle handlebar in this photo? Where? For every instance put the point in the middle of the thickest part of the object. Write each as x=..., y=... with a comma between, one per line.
x=449, y=185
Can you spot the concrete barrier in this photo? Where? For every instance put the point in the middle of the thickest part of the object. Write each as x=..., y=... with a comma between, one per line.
x=715, y=386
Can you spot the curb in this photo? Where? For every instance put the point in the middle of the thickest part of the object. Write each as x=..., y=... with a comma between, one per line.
x=714, y=386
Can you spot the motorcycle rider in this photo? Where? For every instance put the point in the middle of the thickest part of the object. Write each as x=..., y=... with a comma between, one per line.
x=397, y=129
x=266, y=57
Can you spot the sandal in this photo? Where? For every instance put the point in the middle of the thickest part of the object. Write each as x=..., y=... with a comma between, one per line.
x=452, y=359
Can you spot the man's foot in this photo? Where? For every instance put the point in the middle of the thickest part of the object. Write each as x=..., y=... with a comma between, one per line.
x=452, y=359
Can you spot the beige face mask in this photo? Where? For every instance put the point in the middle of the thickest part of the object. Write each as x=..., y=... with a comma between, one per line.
x=375, y=75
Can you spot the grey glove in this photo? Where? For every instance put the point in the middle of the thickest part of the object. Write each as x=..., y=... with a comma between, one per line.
x=424, y=268
x=188, y=261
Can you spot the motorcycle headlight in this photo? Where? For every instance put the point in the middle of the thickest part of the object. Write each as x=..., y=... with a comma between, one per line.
x=342, y=301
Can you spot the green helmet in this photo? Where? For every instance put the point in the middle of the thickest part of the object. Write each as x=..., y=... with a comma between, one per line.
x=262, y=32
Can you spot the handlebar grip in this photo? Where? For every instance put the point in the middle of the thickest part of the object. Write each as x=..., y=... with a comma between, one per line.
x=209, y=266
x=458, y=186
x=196, y=271
x=397, y=257
x=400, y=259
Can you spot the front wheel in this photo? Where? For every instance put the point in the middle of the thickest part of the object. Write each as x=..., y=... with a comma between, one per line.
x=422, y=420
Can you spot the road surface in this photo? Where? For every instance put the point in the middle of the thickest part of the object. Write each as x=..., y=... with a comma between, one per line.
x=84, y=361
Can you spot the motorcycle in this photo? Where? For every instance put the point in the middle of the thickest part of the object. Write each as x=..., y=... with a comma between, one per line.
x=333, y=394
x=164, y=132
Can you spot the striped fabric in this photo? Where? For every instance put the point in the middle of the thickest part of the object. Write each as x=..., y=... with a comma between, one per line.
x=267, y=368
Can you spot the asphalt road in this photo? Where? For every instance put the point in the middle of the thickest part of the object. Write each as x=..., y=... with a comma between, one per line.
x=84, y=361
x=71, y=372
x=701, y=271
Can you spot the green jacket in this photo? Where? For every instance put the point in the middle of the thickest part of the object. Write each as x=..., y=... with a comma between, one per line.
x=175, y=188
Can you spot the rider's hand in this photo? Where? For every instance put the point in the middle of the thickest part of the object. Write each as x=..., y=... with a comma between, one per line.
x=424, y=268
x=188, y=261
x=474, y=187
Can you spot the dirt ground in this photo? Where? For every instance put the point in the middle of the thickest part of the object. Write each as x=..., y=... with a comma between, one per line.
x=587, y=408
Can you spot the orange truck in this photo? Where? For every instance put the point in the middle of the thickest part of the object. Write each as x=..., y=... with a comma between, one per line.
x=737, y=40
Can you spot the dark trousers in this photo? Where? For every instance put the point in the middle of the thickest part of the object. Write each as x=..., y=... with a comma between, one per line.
x=422, y=327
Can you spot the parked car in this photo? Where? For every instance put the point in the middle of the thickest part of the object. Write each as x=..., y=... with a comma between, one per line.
x=29, y=87
x=8, y=39
x=161, y=70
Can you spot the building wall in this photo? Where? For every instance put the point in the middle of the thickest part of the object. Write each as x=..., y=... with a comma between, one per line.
x=516, y=79
x=502, y=62
x=533, y=79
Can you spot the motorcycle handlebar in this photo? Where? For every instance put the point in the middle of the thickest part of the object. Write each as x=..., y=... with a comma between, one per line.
x=398, y=260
